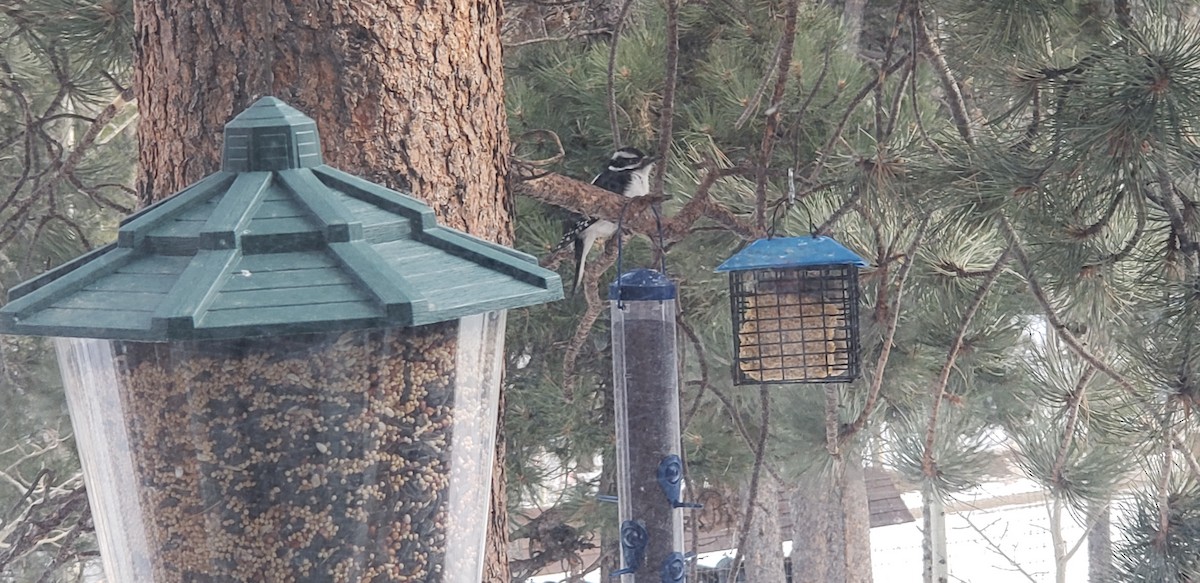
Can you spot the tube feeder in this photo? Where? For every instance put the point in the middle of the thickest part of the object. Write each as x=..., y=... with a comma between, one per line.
x=649, y=468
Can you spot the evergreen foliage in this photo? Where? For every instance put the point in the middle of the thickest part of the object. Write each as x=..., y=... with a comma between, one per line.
x=1021, y=174
x=67, y=167
x=1042, y=155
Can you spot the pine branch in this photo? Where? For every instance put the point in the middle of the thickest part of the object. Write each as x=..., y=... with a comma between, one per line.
x=667, y=109
x=1124, y=14
x=1098, y=226
x=836, y=135
x=1178, y=223
x=954, y=97
x=831, y=420
x=6, y=73
x=916, y=104
x=893, y=115
x=727, y=219
x=680, y=224
x=560, y=38
x=100, y=200
x=1092, y=522
x=1035, y=122
x=595, y=307
x=889, y=339
x=1164, y=483
x=1073, y=403
x=611, y=81
x=702, y=361
x=761, y=89
x=731, y=409
x=1131, y=243
x=1076, y=346
x=27, y=537
x=583, y=198
x=58, y=172
x=798, y=117
x=938, y=389
x=770, y=136
x=889, y=49
x=65, y=546
x=851, y=202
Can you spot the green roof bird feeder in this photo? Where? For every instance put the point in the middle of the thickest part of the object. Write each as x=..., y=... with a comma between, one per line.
x=795, y=311
x=284, y=373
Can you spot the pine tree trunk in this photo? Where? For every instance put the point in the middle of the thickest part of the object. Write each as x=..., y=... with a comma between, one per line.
x=1057, y=541
x=933, y=541
x=1099, y=545
x=831, y=537
x=406, y=94
x=763, y=551
x=852, y=22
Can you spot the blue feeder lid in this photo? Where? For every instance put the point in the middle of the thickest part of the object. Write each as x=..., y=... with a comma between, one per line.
x=791, y=252
x=641, y=285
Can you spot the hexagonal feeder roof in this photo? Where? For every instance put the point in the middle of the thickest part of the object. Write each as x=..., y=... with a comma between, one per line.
x=275, y=243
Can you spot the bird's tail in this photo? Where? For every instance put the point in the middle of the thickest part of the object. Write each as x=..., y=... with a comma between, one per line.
x=581, y=249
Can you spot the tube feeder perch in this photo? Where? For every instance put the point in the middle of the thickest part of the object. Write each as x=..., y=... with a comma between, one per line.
x=794, y=302
x=284, y=373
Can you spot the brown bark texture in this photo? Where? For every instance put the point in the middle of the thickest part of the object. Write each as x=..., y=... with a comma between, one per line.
x=831, y=538
x=406, y=94
x=764, y=543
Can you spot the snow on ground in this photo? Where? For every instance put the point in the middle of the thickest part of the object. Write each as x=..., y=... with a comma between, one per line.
x=1003, y=544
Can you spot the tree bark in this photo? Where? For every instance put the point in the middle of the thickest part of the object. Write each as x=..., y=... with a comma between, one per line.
x=852, y=22
x=933, y=542
x=831, y=536
x=1099, y=545
x=406, y=94
x=764, y=549
x=1057, y=542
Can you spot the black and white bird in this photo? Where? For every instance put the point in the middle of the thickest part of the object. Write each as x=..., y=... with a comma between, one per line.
x=628, y=174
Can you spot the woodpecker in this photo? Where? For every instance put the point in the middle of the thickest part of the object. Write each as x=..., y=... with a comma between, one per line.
x=628, y=174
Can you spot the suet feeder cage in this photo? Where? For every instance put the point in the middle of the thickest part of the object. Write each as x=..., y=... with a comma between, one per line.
x=284, y=373
x=795, y=311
